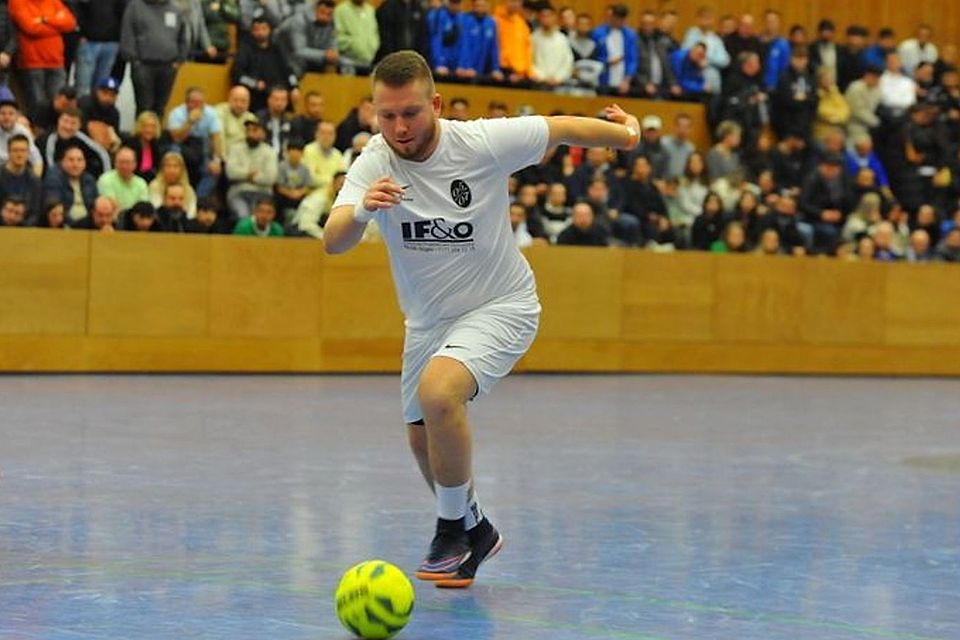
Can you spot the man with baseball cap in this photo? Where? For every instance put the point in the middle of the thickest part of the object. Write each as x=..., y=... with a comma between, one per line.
x=100, y=115
x=251, y=169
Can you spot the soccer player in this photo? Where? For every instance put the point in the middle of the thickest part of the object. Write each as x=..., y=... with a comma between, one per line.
x=438, y=191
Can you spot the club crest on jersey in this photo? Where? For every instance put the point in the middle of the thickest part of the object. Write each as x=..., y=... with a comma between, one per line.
x=460, y=192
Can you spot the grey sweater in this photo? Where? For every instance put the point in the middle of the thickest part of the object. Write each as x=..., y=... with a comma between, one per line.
x=153, y=31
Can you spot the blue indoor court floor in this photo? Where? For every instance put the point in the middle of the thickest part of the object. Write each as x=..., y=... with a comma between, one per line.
x=633, y=507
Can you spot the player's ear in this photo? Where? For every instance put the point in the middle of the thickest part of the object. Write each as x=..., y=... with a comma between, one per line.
x=437, y=104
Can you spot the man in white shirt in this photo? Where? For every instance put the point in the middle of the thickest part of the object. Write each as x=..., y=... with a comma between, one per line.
x=717, y=57
x=919, y=49
x=898, y=92
x=438, y=192
x=552, y=55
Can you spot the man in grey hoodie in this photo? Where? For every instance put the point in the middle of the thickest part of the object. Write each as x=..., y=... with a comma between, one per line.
x=153, y=39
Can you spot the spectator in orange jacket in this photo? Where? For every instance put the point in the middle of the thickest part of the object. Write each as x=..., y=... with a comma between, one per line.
x=41, y=25
x=516, y=50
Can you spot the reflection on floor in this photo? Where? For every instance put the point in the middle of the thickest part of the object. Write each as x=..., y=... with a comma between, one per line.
x=633, y=507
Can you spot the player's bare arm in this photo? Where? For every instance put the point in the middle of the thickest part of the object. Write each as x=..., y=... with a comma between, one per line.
x=620, y=130
x=345, y=226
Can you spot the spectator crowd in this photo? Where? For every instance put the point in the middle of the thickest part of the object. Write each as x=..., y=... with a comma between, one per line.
x=822, y=144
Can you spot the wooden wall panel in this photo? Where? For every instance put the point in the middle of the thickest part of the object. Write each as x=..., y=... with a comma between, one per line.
x=757, y=299
x=580, y=290
x=266, y=287
x=213, y=78
x=923, y=306
x=668, y=300
x=843, y=310
x=43, y=282
x=361, y=320
x=550, y=353
x=180, y=303
x=149, y=285
x=359, y=300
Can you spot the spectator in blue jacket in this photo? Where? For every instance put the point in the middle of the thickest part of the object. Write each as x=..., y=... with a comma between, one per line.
x=446, y=35
x=876, y=56
x=688, y=68
x=479, y=56
x=618, y=48
x=860, y=156
x=777, y=56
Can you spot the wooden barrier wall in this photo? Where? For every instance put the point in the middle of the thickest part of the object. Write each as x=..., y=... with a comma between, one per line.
x=79, y=301
x=341, y=93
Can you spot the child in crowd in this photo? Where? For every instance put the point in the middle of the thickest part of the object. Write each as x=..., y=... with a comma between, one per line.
x=294, y=182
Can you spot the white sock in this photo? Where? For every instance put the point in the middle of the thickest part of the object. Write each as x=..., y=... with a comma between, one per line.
x=474, y=513
x=452, y=501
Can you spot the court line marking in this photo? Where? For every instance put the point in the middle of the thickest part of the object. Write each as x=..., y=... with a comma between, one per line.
x=128, y=568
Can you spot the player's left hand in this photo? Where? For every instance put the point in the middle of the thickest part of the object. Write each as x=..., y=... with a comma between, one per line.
x=615, y=113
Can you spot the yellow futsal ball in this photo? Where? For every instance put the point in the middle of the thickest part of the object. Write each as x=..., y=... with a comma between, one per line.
x=374, y=600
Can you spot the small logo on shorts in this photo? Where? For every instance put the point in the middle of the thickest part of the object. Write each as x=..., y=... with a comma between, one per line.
x=460, y=193
x=453, y=346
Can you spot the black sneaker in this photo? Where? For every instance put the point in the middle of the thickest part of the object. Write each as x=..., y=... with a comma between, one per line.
x=450, y=549
x=485, y=542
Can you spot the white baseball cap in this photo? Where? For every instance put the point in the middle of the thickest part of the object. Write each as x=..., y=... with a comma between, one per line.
x=651, y=122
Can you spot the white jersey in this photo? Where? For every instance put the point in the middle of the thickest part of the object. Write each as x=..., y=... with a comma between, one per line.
x=451, y=245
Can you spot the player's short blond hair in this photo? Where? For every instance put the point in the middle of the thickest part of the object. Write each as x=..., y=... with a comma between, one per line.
x=401, y=68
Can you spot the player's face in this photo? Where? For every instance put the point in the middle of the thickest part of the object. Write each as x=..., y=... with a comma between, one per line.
x=408, y=118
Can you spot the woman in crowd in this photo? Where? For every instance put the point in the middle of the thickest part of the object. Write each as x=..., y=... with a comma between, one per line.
x=145, y=142
x=173, y=170
x=708, y=225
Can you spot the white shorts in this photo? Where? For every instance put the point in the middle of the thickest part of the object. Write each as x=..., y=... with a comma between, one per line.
x=488, y=341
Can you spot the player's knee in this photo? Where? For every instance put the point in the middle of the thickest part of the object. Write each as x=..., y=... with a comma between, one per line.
x=438, y=400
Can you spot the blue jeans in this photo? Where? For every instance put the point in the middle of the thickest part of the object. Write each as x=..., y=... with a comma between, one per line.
x=94, y=63
x=40, y=86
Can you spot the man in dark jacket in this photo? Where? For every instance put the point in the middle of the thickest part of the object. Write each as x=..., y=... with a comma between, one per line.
x=153, y=39
x=218, y=15
x=17, y=178
x=403, y=25
x=260, y=65
x=825, y=201
x=100, y=22
x=70, y=183
x=360, y=118
x=583, y=231
x=795, y=99
x=793, y=234
x=851, y=58
x=744, y=100
x=654, y=77
x=745, y=38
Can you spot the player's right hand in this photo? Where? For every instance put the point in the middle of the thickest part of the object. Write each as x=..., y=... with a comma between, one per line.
x=382, y=194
